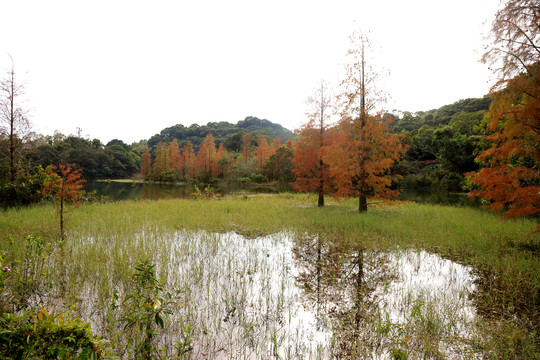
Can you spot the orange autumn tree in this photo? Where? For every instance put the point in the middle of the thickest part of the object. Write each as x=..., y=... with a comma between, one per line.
x=360, y=158
x=217, y=164
x=510, y=177
x=201, y=165
x=188, y=156
x=206, y=157
x=146, y=164
x=64, y=185
x=308, y=165
x=161, y=161
x=175, y=157
x=246, y=148
x=275, y=146
x=263, y=152
x=289, y=144
x=362, y=148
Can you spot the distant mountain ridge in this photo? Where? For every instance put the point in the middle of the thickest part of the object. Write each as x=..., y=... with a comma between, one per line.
x=221, y=131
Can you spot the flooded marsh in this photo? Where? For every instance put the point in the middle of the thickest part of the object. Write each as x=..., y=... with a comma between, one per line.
x=279, y=296
x=271, y=277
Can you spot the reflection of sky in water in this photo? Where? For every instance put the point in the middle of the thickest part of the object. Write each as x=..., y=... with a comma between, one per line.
x=425, y=278
x=243, y=293
x=402, y=296
x=245, y=297
x=430, y=293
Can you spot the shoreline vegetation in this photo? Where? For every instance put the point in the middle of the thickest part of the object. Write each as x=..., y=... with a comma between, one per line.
x=503, y=253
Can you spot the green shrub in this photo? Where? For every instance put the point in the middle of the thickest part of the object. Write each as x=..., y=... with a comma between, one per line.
x=41, y=335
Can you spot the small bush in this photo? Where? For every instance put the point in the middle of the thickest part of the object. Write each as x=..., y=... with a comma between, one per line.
x=41, y=335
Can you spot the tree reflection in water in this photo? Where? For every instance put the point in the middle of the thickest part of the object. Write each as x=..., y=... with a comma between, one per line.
x=387, y=304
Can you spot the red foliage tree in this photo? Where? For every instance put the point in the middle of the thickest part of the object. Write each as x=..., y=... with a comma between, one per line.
x=206, y=157
x=307, y=168
x=263, y=152
x=275, y=146
x=246, y=148
x=175, y=156
x=362, y=148
x=308, y=165
x=65, y=186
x=188, y=155
x=510, y=179
x=289, y=144
x=201, y=165
x=217, y=168
x=360, y=158
x=146, y=164
x=162, y=162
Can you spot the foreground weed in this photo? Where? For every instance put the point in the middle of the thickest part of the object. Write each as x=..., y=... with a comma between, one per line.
x=31, y=275
x=143, y=310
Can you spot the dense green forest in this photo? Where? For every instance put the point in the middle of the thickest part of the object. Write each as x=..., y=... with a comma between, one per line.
x=442, y=143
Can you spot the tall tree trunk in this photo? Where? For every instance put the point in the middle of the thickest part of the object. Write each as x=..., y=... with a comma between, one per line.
x=321, y=182
x=321, y=143
x=362, y=199
x=362, y=203
x=318, y=267
x=12, y=168
x=62, y=218
x=321, y=194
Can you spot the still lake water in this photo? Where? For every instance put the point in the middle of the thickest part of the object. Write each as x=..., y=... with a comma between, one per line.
x=116, y=191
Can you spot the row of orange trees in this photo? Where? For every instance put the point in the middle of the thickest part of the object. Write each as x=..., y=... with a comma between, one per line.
x=172, y=163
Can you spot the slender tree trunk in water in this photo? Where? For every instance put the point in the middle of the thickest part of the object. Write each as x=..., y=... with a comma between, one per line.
x=318, y=273
x=359, y=286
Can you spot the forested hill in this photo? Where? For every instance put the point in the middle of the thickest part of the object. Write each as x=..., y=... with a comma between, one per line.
x=469, y=112
x=442, y=143
x=222, y=131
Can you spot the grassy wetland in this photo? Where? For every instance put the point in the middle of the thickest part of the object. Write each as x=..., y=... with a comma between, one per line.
x=273, y=276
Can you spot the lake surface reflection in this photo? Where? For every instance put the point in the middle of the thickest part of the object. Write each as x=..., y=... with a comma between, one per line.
x=433, y=196
x=116, y=191
x=381, y=305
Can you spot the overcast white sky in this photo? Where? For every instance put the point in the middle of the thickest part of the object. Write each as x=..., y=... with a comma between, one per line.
x=128, y=69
